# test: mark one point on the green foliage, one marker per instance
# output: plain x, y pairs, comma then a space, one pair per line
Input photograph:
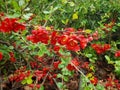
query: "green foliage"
27, 80
62, 13
42, 88
117, 67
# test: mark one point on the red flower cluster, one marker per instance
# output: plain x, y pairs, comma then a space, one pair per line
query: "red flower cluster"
69, 30
19, 75
56, 63
75, 62
72, 44
112, 83
12, 57
54, 38
56, 48
34, 85
95, 35
70, 40
70, 67
1, 56
83, 41
39, 35
94, 81
117, 53
62, 40
10, 24
34, 64
100, 48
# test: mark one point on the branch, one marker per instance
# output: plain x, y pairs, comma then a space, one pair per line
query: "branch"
82, 74
5, 43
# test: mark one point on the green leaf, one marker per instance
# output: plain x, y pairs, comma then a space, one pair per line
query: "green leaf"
11, 47
46, 12
15, 15
108, 59
88, 55
60, 85
59, 75
71, 4
117, 67
88, 31
64, 1
24, 81
21, 2
87, 88
65, 78
75, 16
100, 87
43, 50
27, 16
61, 66
65, 21
15, 5
29, 81
42, 87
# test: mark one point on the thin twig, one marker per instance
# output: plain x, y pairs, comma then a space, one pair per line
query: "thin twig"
55, 82
82, 74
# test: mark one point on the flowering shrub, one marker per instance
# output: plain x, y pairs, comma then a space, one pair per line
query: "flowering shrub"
35, 54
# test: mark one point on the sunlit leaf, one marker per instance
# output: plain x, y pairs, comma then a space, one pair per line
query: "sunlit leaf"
29, 81
75, 16
88, 31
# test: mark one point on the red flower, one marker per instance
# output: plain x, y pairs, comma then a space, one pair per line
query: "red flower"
70, 67
56, 48
106, 47
40, 35
54, 38
72, 45
34, 85
68, 31
63, 39
10, 24
109, 83
1, 55
85, 65
55, 64
38, 74
83, 43
75, 62
117, 53
33, 64
118, 86
45, 70
12, 58
90, 38
100, 48
54, 75
95, 35
94, 80
17, 26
